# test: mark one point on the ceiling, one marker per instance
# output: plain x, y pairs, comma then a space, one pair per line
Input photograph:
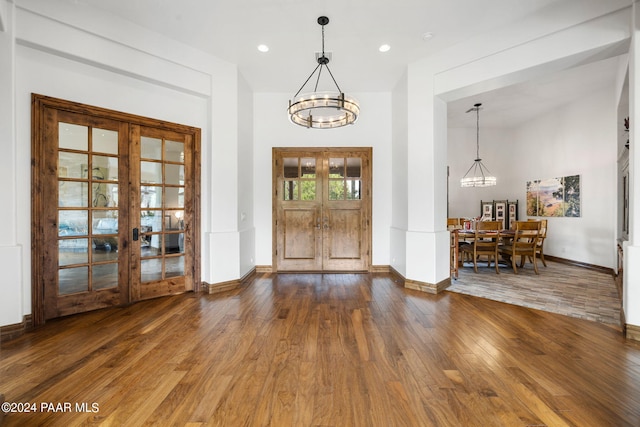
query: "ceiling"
232, 29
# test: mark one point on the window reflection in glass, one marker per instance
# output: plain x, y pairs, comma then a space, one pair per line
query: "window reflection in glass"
336, 167
150, 196
290, 190
149, 246
173, 220
174, 266
174, 151
73, 194
353, 190
104, 249
151, 269
73, 280
105, 222
72, 165
290, 167
151, 172
174, 197
104, 276
105, 168
73, 251
150, 148
104, 195
336, 190
172, 243
354, 167
73, 222
152, 220
73, 137
308, 190
104, 141
308, 167
174, 174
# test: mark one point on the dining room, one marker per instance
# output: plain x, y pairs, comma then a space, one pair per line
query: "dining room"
547, 161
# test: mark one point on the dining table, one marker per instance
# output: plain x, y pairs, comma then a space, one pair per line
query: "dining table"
462, 234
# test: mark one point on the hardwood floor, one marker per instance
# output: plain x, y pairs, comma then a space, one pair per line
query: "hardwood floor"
330, 350
559, 288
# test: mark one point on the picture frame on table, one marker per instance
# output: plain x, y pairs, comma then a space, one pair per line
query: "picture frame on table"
512, 215
500, 209
486, 211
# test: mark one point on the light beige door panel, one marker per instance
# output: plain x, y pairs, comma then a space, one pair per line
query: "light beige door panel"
299, 240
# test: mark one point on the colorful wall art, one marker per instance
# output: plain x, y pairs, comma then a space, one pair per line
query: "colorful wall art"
554, 197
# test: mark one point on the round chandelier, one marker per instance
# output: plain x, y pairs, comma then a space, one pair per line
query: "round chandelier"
322, 109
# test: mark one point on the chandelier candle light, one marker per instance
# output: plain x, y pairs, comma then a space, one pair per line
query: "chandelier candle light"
481, 177
322, 109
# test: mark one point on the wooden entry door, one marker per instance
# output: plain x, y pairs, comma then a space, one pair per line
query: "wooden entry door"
114, 208
322, 209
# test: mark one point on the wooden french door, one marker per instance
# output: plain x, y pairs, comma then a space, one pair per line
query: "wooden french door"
114, 208
322, 209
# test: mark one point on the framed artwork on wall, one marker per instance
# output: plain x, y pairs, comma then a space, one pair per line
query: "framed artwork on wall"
486, 211
500, 209
558, 196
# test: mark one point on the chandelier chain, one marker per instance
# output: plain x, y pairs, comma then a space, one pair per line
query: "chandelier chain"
307, 81
478, 133
325, 109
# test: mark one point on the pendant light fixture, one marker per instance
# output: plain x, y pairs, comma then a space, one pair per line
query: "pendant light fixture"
478, 175
322, 109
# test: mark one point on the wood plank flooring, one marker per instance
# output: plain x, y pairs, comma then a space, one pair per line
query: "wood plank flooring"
323, 350
559, 288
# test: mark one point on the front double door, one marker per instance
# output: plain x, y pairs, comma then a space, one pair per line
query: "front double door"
114, 209
322, 209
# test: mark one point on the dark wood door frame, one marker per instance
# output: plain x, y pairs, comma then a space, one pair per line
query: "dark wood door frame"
39, 174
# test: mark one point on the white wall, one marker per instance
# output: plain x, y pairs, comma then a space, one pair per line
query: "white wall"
245, 178
400, 177
57, 50
497, 150
273, 129
577, 139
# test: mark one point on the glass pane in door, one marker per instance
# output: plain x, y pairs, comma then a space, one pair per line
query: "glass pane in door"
87, 209
104, 141
150, 148
162, 215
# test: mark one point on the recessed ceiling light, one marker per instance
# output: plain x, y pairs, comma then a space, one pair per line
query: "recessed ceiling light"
384, 48
427, 36
263, 48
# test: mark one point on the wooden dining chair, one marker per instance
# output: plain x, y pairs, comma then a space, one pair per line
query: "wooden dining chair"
454, 223
484, 244
541, 237
524, 244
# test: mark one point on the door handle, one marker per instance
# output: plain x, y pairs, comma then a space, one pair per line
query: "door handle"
136, 234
